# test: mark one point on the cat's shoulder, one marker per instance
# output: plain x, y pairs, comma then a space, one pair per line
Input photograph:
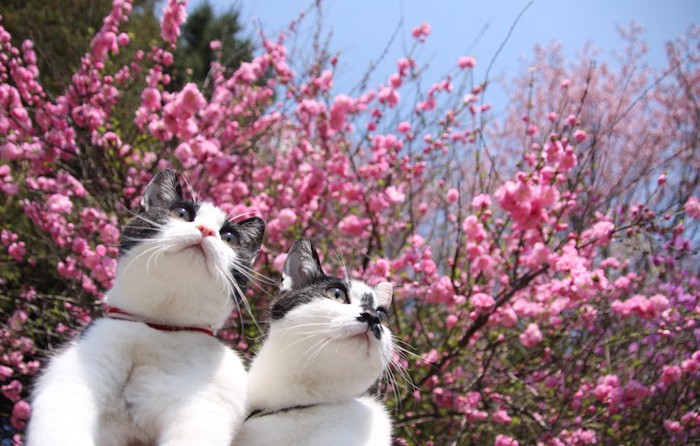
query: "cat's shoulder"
353, 422
138, 340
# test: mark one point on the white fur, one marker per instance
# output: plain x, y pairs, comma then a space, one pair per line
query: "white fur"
125, 383
178, 278
320, 354
353, 422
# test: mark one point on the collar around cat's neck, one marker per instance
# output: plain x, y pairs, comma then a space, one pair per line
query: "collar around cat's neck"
264, 412
118, 313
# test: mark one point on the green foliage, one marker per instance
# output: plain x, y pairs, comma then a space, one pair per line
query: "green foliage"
62, 31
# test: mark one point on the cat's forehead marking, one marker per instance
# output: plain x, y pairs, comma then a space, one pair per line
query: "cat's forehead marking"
211, 213
359, 289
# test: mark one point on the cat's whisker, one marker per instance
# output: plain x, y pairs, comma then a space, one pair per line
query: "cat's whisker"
255, 275
239, 296
303, 339
388, 380
315, 350
146, 252
341, 260
236, 217
188, 184
156, 255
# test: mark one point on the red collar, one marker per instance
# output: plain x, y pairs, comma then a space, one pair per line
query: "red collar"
118, 313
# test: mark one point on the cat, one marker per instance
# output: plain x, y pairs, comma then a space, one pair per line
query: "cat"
152, 372
328, 342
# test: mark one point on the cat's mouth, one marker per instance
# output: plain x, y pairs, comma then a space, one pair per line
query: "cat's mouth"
363, 338
195, 249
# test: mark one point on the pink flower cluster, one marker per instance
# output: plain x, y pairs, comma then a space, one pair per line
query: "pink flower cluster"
518, 250
641, 306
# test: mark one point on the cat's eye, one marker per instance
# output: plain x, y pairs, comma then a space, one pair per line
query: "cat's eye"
337, 294
182, 213
229, 238
383, 315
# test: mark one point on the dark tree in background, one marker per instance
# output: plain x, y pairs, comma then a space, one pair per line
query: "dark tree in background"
194, 55
62, 30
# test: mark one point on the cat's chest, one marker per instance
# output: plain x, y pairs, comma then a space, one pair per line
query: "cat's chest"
145, 377
151, 365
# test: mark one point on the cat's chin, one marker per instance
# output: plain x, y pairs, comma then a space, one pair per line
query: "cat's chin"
363, 343
195, 251
198, 253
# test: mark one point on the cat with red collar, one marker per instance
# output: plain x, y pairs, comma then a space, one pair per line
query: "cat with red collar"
152, 372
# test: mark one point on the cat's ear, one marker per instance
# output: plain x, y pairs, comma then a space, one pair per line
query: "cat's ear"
302, 265
163, 190
251, 233
384, 292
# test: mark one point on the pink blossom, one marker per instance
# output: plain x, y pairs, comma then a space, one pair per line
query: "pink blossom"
481, 201
539, 255
452, 195
641, 306
473, 229
12, 391
692, 207
659, 303
174, 15
5, 372
287, 217
501, 416
123, 39
690, 365
17, 251
394, 195
508, 316
421, 31
10, 151
310, 107
670, 374
531, 336
673, 426
60, 203
404, 64
278, 262
389, 96
451, 321
190, 100
466, 62
395, 80
382, 267
324, 81
150, 98
599, 233
608, 389
342, 105
504, 440
353, 225
482, 302
404, 127
20, 414
441, 291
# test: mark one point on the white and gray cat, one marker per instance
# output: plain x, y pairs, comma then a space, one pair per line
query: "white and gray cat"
328, 343
152, 372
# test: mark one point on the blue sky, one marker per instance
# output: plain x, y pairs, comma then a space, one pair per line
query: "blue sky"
361, 29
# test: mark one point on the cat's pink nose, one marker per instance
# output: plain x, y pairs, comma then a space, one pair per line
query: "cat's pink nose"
206, 230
